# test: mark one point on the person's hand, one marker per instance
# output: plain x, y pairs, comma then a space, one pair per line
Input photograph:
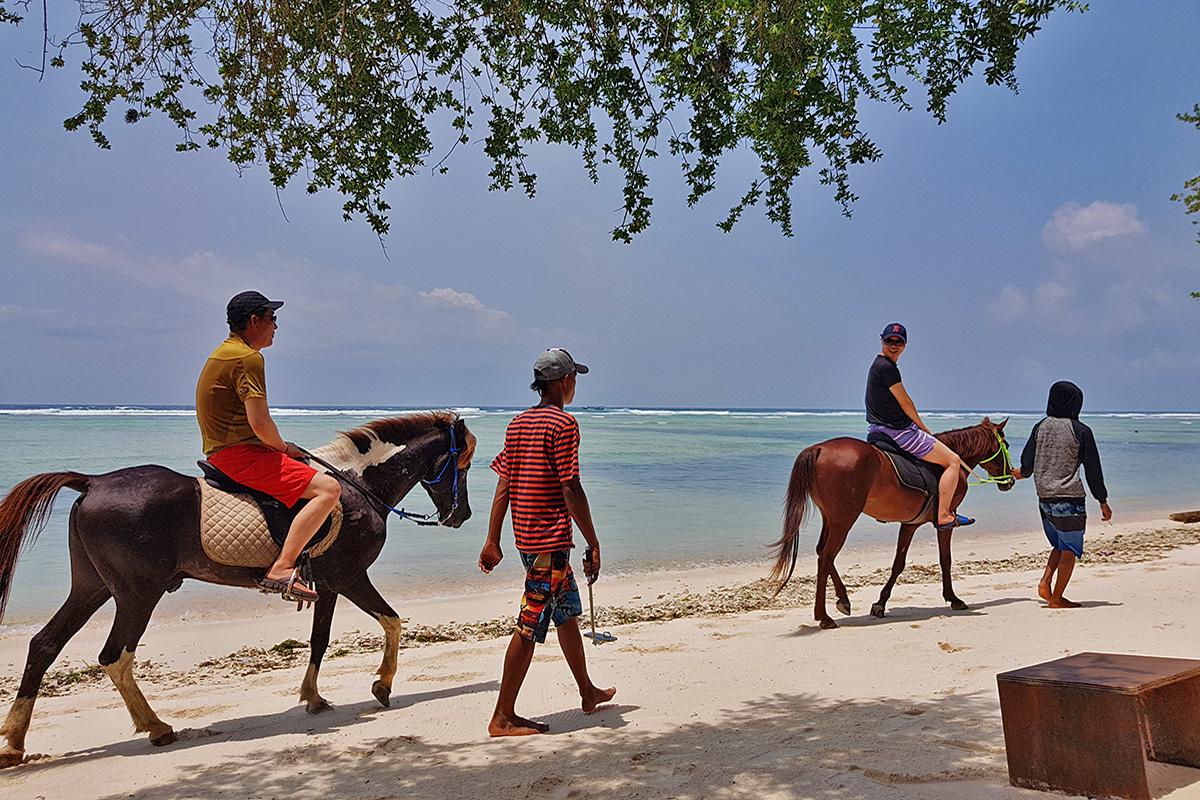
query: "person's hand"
293, 451
1105, 512
591, 564
1016, 473
490, 557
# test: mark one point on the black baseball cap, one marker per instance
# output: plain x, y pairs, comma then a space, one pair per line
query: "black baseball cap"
895, 331
247, 304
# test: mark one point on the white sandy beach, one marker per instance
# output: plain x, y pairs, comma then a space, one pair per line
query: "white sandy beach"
756, 704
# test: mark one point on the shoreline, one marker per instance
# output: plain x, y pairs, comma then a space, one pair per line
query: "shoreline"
201, 601
622, 600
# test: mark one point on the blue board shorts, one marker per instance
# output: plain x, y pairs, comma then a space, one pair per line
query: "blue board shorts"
1064, 522
550, 594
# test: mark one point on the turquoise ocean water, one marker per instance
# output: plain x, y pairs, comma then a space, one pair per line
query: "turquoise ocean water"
669, 488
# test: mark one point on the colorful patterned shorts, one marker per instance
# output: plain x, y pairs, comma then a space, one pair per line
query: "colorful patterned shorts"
550, 594
1064, 522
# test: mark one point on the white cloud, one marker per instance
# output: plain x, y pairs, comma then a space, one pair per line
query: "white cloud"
1073, 226
325, 308
1010, 304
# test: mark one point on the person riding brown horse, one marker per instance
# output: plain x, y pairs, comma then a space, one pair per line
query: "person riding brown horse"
891, 411
846, 477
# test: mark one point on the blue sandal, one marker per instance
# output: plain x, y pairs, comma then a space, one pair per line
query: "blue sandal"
959, 521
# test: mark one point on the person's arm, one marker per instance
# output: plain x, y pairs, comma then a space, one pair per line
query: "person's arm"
1089, 456
577, 504
1028, 454
491, 554
259, 417
907, 405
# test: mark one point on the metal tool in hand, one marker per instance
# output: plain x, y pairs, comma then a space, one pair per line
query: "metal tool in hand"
605, 636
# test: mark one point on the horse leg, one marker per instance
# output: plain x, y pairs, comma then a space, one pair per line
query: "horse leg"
906, 534
833, 536
133, 614
839, 588
86, 596
318, 644
364, 595
944, 558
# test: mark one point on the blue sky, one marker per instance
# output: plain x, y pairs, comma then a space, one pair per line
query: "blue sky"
1028, 239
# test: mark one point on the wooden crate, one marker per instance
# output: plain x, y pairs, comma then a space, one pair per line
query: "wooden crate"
1087, 724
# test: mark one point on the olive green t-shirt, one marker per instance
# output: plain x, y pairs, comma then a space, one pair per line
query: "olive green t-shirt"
232, 373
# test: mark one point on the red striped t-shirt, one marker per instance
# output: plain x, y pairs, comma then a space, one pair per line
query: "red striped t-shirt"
541, 453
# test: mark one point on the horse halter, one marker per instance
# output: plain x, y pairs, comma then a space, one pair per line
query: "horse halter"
1007, 474
452, 465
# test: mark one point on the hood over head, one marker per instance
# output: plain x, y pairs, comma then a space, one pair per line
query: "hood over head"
1066, 400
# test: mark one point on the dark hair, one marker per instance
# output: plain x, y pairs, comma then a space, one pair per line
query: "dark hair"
241, 325
540, 386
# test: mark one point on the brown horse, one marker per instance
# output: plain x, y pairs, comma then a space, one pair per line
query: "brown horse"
847, 477
134, 534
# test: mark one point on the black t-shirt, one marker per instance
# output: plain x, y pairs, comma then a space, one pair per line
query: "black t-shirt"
882, 406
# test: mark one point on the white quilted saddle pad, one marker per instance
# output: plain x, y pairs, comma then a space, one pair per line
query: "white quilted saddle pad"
233, 531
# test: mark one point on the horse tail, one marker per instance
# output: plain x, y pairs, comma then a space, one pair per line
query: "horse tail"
795, 509
23, 513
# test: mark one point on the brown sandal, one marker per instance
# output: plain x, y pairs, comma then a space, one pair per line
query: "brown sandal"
292, 589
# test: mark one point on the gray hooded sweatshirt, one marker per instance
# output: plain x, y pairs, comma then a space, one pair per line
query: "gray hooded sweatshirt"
1059, 445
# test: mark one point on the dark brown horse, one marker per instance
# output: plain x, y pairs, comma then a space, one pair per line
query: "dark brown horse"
847, 477
134, 534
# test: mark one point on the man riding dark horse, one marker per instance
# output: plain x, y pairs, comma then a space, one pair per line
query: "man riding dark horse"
242, 440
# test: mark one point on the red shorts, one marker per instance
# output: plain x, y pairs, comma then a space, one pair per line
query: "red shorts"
266, 470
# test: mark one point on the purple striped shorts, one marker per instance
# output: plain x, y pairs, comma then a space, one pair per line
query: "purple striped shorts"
911, 439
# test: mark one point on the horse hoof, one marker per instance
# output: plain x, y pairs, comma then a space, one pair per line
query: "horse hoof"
843, 606
10, 757
828, 624
318, 707
164, 739
383, 693
958, 605
877, 610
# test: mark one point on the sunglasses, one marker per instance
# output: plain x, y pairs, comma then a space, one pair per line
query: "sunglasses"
894, 342
268, 317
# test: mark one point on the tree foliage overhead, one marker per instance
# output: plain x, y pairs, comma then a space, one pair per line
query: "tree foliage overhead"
1191, 196
352, 94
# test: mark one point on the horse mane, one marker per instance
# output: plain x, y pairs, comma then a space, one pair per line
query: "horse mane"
378, 440
970, 440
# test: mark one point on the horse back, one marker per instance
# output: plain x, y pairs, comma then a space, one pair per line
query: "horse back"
149, 505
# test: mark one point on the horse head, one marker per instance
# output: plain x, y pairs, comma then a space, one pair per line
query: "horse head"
392, 455
446, 481
999, 464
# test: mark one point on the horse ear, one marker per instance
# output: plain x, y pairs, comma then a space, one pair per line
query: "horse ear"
1003, 423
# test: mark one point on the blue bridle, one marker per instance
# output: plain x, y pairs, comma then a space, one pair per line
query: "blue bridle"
420, 519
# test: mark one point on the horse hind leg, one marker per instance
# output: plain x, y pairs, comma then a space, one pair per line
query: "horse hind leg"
367, 597
117, 660
833, 536
86, 596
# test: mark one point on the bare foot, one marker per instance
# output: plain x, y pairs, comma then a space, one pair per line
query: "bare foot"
597, 696
501, 725
1044, 591
1062, 602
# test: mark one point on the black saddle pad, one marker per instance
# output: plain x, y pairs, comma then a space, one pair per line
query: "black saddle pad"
278, 516
911, 471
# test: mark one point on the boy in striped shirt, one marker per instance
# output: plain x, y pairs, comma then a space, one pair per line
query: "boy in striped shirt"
539, 479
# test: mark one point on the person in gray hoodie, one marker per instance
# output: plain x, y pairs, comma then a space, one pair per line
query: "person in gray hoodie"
1057, 447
